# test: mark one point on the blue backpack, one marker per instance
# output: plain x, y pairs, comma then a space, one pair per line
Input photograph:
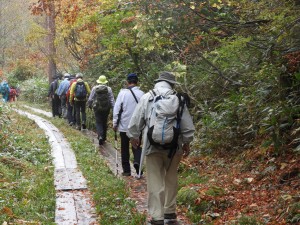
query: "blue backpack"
80, 91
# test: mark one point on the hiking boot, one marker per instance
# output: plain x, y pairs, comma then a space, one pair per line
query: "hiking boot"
157, 222
101, 142
126, 174
83, 126
170, 218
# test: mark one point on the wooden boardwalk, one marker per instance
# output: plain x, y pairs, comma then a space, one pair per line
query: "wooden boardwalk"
73, 199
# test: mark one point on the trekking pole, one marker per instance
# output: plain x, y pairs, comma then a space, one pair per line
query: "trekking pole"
116, 147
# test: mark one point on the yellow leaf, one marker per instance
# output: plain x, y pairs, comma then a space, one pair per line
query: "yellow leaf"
283, 165
286, 197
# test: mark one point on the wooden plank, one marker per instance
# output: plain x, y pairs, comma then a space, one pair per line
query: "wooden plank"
65, 213
69, 179
86, 213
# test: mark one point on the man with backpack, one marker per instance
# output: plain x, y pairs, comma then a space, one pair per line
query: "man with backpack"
126, 102
56, 105
61, 92
79, 91
101, 101
168, 129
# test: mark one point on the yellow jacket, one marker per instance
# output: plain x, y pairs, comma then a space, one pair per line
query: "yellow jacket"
72, 91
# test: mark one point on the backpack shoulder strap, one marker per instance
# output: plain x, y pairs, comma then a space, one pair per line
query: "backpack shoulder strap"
133, 95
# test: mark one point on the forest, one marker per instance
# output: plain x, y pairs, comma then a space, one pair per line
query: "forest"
239, 62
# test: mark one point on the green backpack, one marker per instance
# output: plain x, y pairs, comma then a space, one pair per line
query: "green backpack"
101, 101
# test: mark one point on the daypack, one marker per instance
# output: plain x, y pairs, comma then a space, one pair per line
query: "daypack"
80, 91
164, 121
101, 101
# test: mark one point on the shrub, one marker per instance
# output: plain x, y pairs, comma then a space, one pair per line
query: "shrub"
35, 89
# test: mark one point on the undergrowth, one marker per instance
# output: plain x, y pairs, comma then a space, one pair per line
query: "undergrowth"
26, 187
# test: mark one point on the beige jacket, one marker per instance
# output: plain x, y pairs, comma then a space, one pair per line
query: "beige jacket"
142, 112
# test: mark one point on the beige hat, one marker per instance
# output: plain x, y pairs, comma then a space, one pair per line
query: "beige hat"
102, 80
166, 76
79, 75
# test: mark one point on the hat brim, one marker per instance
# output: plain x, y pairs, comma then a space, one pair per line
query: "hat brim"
169, 81
101, 82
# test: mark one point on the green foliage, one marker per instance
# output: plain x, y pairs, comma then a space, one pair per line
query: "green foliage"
23, 70
245, 220
215, 191
294, 213
34, 90
187, 196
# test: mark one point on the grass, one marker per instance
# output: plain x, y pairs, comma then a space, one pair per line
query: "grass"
26, 188
110, 194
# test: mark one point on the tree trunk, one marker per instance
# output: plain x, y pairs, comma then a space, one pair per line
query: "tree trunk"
50, 21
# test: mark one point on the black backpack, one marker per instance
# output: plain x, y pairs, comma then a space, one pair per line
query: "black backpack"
101, 101
80, 91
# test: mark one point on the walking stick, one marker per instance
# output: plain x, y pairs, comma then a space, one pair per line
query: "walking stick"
116, 147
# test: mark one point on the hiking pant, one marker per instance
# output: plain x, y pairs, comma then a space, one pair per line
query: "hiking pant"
56, 107
125, 155
80, 107
5, 97
162, 184
101, 124
71, 113
63, 99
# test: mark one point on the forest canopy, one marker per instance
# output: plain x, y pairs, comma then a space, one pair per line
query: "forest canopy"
239, 61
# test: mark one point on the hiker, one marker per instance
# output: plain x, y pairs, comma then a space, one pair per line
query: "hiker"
162, 163
12, 94
61, 92
101, 101
5, 91
125, 104
54, 98
71, 114
80, 91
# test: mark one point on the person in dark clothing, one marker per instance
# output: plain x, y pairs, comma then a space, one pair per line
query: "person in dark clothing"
56, 104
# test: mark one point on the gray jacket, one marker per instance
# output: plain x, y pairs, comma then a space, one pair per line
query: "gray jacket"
142, 112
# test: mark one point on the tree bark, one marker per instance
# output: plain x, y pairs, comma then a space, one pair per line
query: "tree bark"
50, 22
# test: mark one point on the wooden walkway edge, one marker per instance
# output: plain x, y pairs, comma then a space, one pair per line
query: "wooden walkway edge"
73, 201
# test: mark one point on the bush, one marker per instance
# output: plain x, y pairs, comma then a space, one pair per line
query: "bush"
35, 90
187, 196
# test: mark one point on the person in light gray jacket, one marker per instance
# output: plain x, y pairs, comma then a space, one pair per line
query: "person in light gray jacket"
161, 170
126, 101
